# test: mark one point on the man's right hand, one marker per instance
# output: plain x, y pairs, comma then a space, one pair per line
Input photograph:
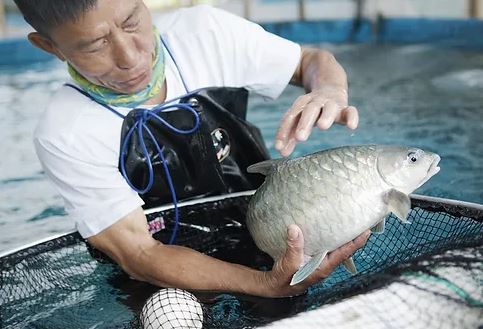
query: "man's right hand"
277, 281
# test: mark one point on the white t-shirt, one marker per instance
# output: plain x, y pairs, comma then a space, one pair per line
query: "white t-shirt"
78, 141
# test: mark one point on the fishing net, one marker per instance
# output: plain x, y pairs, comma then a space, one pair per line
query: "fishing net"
428, 274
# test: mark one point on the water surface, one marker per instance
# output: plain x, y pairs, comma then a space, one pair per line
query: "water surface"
411, 95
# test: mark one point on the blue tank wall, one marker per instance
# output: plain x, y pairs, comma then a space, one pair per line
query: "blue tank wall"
459, 33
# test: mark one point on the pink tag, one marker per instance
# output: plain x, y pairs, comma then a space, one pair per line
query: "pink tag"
156, 225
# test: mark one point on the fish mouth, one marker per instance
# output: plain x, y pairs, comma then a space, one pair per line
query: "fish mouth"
432, 170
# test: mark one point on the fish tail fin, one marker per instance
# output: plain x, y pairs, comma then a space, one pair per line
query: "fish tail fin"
308, 268
350, 266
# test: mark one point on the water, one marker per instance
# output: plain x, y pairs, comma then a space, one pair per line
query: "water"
412, 95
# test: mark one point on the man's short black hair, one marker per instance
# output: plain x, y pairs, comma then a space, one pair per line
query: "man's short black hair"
44, 15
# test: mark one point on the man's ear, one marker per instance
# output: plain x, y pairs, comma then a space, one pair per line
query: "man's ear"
46, 44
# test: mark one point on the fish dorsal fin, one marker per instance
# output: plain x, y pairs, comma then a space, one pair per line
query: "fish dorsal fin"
399, 204
264, 167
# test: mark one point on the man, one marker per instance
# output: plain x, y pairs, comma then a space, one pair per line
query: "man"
117, 60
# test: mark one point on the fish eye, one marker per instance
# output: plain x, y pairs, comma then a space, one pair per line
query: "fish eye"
413, 157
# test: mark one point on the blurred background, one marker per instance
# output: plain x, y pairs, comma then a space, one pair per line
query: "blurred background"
290, 10
415, 71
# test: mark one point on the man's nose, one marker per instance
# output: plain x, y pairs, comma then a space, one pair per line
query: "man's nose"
125, 53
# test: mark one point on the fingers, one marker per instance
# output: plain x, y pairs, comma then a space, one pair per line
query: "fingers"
307, 120
297, 124
294, 255
278, 279
328, 116
285, 129
289, 147
334, 258
289, 122
307, 112
345, 251
349, 117
361, 240
286, 145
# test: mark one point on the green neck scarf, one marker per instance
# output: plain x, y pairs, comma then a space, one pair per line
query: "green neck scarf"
110, 97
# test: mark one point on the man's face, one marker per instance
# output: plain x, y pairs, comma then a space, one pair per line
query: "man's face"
111, 45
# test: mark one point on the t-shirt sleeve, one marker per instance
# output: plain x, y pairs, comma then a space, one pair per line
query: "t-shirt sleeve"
77, 154
96, 196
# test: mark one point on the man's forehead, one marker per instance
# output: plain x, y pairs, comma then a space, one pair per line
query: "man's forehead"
117, 10
95, 22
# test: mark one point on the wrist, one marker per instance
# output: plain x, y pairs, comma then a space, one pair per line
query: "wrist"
328, 74
258, 284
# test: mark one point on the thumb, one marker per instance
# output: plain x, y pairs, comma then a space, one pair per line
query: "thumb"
294, 255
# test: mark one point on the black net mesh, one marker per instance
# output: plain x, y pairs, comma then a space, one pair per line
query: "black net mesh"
427, 274
440, 291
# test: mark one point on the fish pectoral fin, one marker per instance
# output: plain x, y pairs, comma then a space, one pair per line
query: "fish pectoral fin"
399, 204
349, 265
308, 268
264, 167
379, 227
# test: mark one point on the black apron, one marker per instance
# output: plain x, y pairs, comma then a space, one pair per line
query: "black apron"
210, 161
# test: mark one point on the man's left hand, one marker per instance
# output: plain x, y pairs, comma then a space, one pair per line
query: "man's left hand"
321, 107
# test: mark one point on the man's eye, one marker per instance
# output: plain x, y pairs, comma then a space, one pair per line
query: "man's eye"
131, 26
97, 47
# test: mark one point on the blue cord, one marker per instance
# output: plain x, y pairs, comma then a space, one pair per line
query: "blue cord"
140, 126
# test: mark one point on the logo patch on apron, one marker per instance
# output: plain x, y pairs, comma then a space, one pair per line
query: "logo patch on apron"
156, 225
221, 142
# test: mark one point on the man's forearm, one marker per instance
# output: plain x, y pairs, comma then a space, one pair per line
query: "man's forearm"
130, 245
175, 266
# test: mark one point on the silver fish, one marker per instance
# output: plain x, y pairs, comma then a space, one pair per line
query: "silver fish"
333, 196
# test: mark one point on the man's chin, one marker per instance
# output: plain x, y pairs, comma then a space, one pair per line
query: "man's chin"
130, 90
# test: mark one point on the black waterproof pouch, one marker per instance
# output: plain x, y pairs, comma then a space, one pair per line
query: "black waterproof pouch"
210, 161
